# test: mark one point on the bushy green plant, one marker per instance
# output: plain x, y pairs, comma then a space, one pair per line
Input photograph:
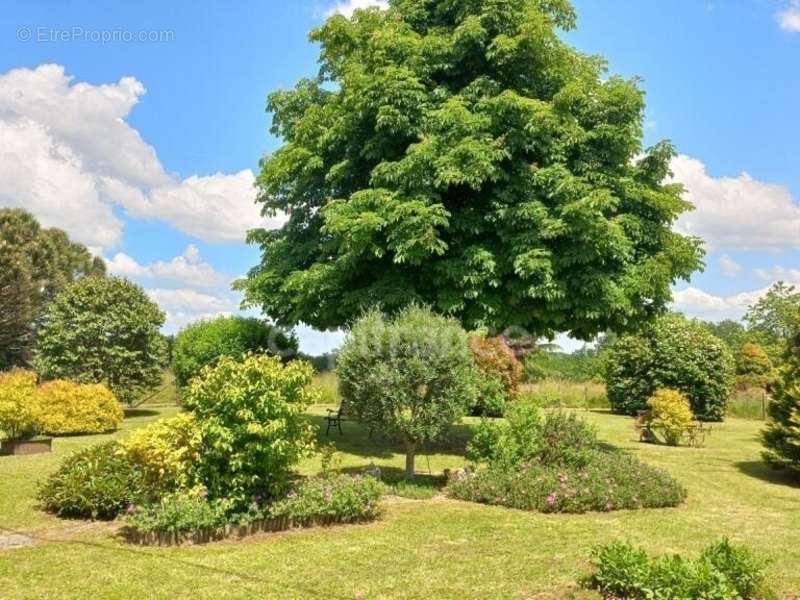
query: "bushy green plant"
670, 414
345, 498
249, 413
19, 409
67, 408
97, 482
410, 376
753, 366
166, 452
557, 439
499, 375
178, 512
782, 435
723, 571
102, 330
672, 353
203, 342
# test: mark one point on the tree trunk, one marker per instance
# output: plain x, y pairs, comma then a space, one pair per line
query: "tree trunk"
410, 450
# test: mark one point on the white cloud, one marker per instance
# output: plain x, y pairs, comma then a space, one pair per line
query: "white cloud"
187, 269
779, 273
185, 305
346, 7
730, 268
69, 156
736, 212
704, 305
789, 19
46, 177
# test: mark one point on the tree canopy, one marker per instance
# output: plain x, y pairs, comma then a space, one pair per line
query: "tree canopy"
35, 263
773, 319
461, 155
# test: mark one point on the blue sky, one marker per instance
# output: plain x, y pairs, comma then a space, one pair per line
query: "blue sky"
145, 149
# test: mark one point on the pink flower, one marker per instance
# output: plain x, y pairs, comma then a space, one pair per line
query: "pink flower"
551, 499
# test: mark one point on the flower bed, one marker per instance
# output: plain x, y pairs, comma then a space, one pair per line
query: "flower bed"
192, 518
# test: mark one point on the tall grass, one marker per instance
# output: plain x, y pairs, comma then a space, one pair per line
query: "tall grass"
748, 403
563, 393
326, 384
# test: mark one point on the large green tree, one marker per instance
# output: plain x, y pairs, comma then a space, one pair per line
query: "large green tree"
458, 153
102, 330
772, 320
35, 263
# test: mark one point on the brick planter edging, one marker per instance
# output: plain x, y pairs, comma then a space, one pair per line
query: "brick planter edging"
216, 534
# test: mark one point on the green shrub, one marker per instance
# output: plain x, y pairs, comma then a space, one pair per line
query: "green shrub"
102, 330
753, 366
19, 409
249, 413
67, 408
177, 513
721, 572
166, 453
557, 439
671, 414
499, 375
782, 435
555, 464
202, 343
97, 482
344, 498
411, 376
672, 353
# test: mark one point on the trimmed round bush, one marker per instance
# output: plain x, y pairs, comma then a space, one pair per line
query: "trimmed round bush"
19, 416
410, 376
166, 452
249, 413
672, 353
97, 482
671, 414
202, 343
67, 408
499, 375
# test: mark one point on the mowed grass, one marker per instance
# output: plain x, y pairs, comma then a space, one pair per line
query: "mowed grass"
424, 546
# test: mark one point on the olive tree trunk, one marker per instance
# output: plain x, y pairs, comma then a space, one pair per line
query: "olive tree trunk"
411, 449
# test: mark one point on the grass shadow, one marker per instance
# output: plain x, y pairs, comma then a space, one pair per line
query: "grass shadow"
764, 472
131, 413
356, 439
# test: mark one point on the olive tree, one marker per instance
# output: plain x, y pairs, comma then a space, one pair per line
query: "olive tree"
411, 376
102, 330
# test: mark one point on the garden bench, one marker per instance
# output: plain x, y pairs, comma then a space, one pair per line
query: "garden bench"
334, 418
696, 434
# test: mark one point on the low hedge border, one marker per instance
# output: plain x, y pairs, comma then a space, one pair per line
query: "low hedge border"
231, 531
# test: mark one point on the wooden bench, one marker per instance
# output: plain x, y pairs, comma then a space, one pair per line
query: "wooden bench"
334, 418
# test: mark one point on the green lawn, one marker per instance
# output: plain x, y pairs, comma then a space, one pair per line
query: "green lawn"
427, 547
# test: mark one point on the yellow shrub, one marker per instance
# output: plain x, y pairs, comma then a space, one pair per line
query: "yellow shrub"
18, 407
165, 452
68, 408
671, 413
